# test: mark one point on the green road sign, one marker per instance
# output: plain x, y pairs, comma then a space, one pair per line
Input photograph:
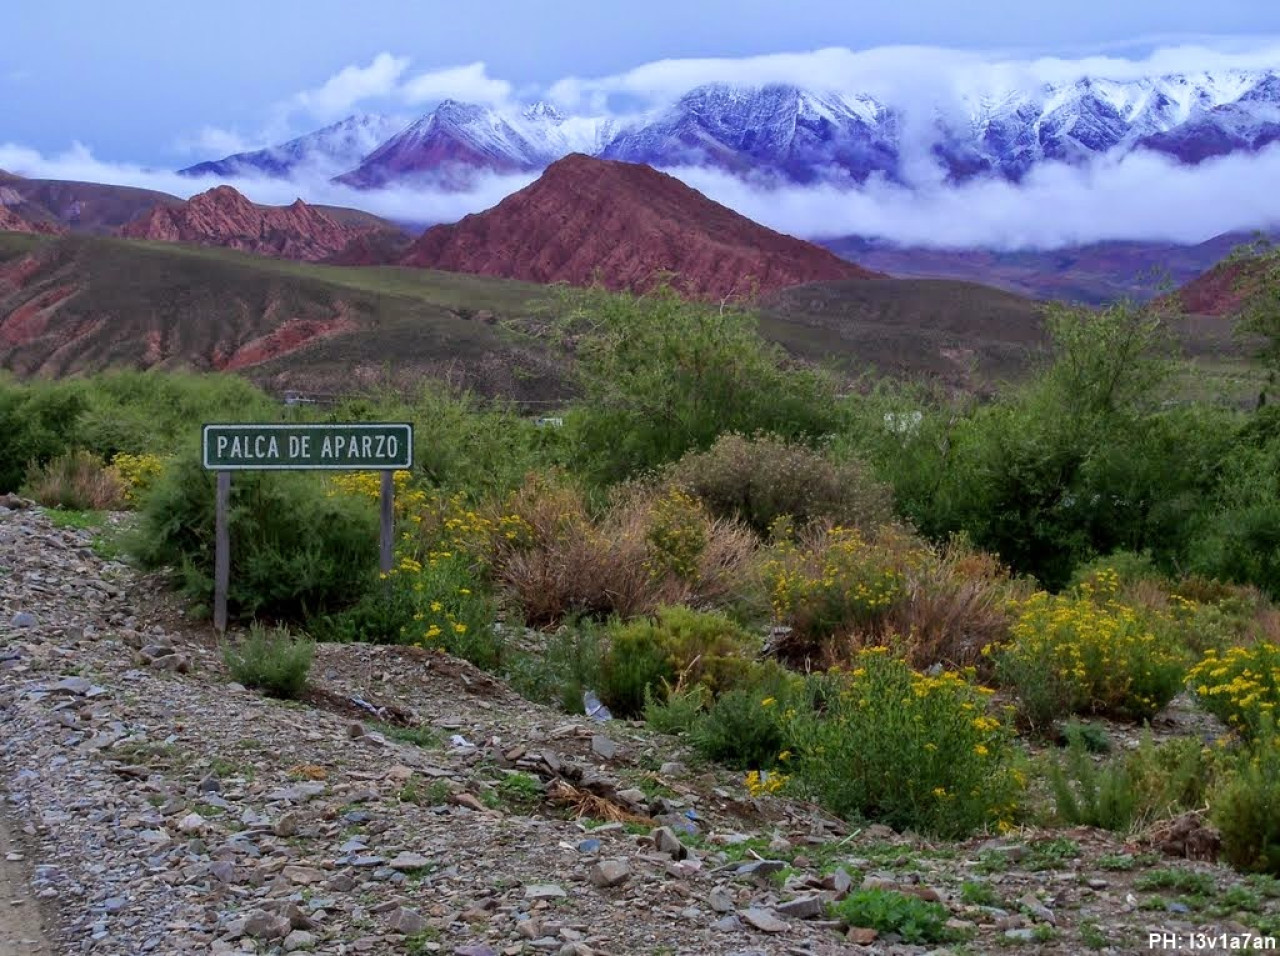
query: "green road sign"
360, 446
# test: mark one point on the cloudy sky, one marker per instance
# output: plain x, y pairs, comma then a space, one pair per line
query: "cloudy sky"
123, 90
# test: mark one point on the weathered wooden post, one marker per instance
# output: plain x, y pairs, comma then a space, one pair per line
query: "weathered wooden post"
386, 502
221, 552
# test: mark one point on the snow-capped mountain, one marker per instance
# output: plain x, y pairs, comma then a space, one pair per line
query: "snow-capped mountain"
458, 137
333, 149
783, 133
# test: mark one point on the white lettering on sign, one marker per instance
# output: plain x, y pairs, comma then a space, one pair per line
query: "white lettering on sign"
222, 445
260, 447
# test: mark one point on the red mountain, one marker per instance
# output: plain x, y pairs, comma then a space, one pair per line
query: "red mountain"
1223, 289
223, 217
623, 223
10, 221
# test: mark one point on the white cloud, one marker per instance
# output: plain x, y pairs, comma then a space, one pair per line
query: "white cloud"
892, 73
1142, 196
470, 83
212, 140
339, 94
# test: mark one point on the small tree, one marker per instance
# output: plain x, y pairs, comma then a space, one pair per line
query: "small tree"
1258, 281
662, 375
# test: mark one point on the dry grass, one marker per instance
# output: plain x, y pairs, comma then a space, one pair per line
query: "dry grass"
570, 562
584, 804
77, 481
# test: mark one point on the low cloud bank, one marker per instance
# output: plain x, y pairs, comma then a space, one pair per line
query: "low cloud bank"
1141, 196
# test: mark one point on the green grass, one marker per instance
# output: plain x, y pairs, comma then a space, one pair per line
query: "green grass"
424, 737
80, 520
1182, 881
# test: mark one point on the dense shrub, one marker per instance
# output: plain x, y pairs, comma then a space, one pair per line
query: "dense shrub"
76, 480
271, 659
676, 645
661, 375
139, 473
746, 727
1151, 783
37, 423
1072, 654
895, 746
295, 550
558, 668
1240, 685
1244, 806
645, 551
758, 480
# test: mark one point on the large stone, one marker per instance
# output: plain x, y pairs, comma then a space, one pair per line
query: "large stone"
544, 891
299, 939
602, 746
763, 920
802, 907
408, 862
24, 619
407, 921
608, 873
667, 842
263, 925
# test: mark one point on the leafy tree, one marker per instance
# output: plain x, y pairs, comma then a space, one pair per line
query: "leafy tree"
662, 375
1259, 282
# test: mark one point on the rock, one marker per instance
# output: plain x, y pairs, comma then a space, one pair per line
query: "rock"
24, 619
761, 868
406, 921
727, 924
287, 825
355, 730
602, 746
721, 900
544, 891
72, 686
589, 845
633, 797
763, 920
299, 939
263, 925
862, 935
191, 823
1037, 909
608, 873
667, 842
474, 949
839, 881
408, 862
1023, 935
209, 784
305, 875
802, 907
672, 768
173, 663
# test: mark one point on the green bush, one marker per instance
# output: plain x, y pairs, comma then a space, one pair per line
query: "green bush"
1240, 686
561, 669
677, 645
918, 752
1245, 806
272, 660
677, 710
1130, 791
296, 551
758, 480
889, 911
661, 375
747, 728
37, 423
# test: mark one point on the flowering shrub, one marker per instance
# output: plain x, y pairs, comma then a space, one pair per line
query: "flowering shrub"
1243, 804
138, 472
1239, 685
677, 536
835, 581
895, 746
368, 484
1086, 654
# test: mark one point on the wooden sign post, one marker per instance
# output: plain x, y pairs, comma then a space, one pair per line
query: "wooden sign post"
357, 446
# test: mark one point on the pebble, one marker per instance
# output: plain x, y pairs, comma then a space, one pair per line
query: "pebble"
763, 920
608, 873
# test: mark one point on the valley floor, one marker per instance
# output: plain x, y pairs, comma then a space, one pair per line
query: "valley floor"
162, 809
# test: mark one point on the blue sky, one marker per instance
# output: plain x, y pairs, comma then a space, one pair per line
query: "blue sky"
166, 83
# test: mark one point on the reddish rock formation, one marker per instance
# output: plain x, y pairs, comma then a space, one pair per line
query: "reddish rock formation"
10, 221
223, 217
1221, 290
623, 223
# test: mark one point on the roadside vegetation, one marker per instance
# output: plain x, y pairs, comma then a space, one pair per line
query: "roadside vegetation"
873, 600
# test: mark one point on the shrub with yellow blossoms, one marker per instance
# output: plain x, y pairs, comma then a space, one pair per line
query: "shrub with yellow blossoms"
912, 750
1086, 653
836, 580
138, 473
1240, 685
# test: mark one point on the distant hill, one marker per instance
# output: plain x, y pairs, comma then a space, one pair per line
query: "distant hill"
1094, 273
223, 217
1222, 290
93, 208
79, 304
11, 221
619, 223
